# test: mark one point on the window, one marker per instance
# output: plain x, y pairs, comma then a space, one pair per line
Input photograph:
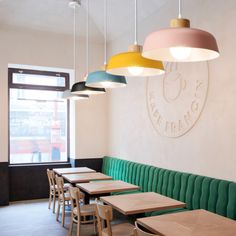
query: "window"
38, 117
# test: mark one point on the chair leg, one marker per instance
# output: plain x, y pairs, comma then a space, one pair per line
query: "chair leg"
78, 227
63, 214
71, 225
95, 224
58, 209
54, 201
50, 199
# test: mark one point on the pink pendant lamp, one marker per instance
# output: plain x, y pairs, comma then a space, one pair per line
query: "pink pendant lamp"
180, 43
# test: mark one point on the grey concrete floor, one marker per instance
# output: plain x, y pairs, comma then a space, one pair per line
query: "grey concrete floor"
33, 218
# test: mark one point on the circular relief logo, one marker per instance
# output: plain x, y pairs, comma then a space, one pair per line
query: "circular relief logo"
176, 99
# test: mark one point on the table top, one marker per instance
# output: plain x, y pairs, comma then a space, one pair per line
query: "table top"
194, 223
75, 170
106, 187
137, 203
85, 177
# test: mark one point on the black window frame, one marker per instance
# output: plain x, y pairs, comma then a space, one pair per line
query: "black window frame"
11, 85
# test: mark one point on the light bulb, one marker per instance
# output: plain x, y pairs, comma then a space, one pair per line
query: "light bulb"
180, 53
135, 70
106, 84
76, 98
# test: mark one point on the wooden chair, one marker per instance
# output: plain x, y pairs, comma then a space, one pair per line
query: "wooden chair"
139, 232
80, 213
63, 199
53, 190
104, 214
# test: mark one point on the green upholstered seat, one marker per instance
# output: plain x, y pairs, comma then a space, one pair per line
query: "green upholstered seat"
198, 192
126, 192
169, 211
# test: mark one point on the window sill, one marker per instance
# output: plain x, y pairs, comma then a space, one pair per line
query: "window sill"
39, 164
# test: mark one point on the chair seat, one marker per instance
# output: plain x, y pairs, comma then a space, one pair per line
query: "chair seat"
125, 229
82, 195
67, 185
169, 211
67, 196
127, 192
54, 187
86, 210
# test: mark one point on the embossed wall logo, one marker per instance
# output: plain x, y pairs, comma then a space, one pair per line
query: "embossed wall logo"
175, 100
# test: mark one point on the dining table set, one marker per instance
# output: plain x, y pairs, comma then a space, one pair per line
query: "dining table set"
135, 203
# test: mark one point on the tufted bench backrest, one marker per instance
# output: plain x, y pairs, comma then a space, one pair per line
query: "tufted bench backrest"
215, 195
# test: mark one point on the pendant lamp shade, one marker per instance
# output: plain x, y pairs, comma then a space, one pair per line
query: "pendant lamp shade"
101, 79
81, 88
180, 43
68, 95
132, 63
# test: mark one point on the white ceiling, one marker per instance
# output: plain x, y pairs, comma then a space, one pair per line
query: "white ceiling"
56, 16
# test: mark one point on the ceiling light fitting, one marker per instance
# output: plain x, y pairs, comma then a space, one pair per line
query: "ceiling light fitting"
74, 3
180, 43
101, 79
80, 87
67, 94
132, 63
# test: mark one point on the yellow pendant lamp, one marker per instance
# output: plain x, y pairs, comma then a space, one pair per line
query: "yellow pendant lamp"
132, 63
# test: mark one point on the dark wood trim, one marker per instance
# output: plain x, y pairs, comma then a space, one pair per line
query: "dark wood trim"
4, 183
30, 181
38, 72
93, 163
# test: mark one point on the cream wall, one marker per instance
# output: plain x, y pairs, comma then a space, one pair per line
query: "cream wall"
207, 149
18, 46
120, 125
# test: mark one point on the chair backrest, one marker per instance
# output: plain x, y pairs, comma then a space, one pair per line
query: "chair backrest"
75, 199
51, 178
60, 186
139, 232
104, 214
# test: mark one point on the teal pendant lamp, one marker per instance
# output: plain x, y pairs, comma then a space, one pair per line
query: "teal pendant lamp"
101, 79
80, 88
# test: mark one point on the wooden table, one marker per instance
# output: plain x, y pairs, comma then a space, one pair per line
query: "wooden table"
194, 223
129, 204
85, 177
76, 170
95, 188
